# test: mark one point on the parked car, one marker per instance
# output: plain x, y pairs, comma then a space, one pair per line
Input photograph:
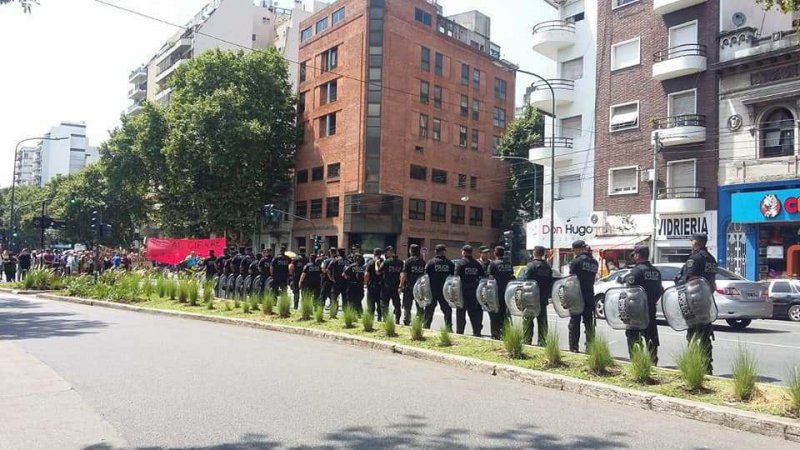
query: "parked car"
785, 297
739, 301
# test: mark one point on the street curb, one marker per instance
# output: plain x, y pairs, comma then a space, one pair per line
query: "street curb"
23, 291
719, 415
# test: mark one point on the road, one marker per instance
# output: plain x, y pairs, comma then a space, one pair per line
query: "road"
141, 381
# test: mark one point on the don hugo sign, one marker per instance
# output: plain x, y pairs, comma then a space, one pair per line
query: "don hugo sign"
564, 234
682, 227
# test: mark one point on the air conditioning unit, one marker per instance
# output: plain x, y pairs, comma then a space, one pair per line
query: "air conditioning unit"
598, 218
646, 175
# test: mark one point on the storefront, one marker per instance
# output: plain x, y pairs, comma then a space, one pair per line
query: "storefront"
674, 233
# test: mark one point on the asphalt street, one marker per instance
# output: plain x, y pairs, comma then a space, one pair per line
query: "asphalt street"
146, 381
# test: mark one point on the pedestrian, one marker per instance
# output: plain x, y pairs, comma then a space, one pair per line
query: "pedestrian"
279, 271
325, 290
585, 268
374, 284
295, 269
503, 272
354, 274
701, 264
470, 271
210, 265
390, 270
311, 278
24, 260
9, 266
336, 276
649, 278
539, 271
413, 268
438, 269
484, 258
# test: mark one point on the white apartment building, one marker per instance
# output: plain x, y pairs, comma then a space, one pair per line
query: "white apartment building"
570, 42
67, 155
28, 166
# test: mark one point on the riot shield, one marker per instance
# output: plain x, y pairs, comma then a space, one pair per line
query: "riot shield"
487, 294
452, 291
423, 294
230, 288
626, 308
523, 299
248, 285
221, 284
567, 297
239, 293
689, 305
258, 285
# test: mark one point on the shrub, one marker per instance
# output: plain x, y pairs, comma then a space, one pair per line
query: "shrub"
416, 329
284, 306
745, 370
236, 303
246, 307
641, 367
161, 286
334, 311
444, 337
268, 304
692, 363
228, 306
183, 291
513, 337
552, 349
388, 323
41, 279
210, 304
147, 287
208, 291
793, 387
172, 289
598, 355
80, 286
368, 321
193, 289
253, 299
349, 316
319, 314
306, 307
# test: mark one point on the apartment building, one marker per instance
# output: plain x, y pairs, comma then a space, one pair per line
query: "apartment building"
570, 42
68, 153
759, 106
28, 166
402, 109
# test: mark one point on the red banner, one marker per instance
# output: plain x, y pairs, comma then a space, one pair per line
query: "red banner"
173, 251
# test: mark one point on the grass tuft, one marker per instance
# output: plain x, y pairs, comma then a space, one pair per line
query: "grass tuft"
161, 286
692, 363
147, 287
319, 314
349, 316
416, 329
194, 292
444, 337
172, 289
513, 337
183, 291
334, 310
793, 388
388, 323
598, 355
306, 307
284, 306
208, 291
641, 367
268, 304
552, 349
228, 306
246, 307
236, 304
745, 371
253, 299
368, 320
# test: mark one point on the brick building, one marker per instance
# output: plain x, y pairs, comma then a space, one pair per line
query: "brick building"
402, 108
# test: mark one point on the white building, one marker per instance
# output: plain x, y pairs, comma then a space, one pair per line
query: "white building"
69, 154
571, 43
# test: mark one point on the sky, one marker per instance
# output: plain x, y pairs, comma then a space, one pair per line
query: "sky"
69, 60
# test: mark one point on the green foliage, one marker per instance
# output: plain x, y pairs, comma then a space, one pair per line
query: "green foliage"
208, 291
147, 287
349, 316
598, 355
416, 329
210, 304
641, 367
228, 306
524, 188
246, 307
388, 323
268, 303
42, 280
319, 314
284, 306
194, 292
306, 307
236, 304
183, 290
444, 337
334, 309
513, 338
172, 288
552, 349
786, 6
161, 286
80, 286
745, 372
692, 363
793, 388
368, 321
253, 299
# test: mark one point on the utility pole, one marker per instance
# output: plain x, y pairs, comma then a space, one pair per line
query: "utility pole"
656, 151
42, 226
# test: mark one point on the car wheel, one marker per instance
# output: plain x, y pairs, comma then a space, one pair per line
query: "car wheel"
794, 313
738, 324
600, 306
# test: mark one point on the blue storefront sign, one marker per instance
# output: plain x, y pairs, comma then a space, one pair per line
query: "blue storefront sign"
766, 206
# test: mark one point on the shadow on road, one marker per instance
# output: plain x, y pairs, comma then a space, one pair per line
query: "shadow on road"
748, 330
27, 324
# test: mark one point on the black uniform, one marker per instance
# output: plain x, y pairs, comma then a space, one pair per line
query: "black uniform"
326, 284
470, 271
298, 263
414, 268
374, 289
390, 270
338, 284
648, 277
701, 264
539, 271
438, 269
503, 272
279, 270
210, 265
313, 279
354, 274
585, 268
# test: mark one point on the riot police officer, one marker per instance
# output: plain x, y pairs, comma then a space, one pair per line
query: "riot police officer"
539, 271
585, 268
311, 278
648, 277
470, 271
279, 271
503, 272
390, 270
484, 258
295, 268
335, 274
354, 274
325, 289
438, 269
373, 281
701, 264
413, 268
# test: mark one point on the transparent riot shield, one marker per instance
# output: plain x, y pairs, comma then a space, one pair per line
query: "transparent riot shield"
523, 298
230, 288
423, 294
221, 284
258, 285
689, 305
567, 296
452, 292
626, 308
487, 294
248, 285
239, 293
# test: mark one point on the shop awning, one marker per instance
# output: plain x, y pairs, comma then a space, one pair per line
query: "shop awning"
616, 242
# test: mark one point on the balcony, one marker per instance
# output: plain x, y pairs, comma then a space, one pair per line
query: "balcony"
681, 200
551, 36
667, 6
541, 98
180, 46
134, 109
163, 96
679, 61
168, 70
541, 153
680, 130
138, 92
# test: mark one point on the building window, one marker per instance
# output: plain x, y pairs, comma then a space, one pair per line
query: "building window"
301, 208
462, 180
416, 209
437, 97
439, 176
619, 3
332, 207
334, 170
423, 125
499, 89
418, 172
473, 182
462, 136
301, 103
457, 214
680, 104
423, 17
475, 216
424, 92
569, 186
624, 117
439, 69
499, 117
328, 92
337, 16
327, 125
465, 74
316, 208
317, 173
322, 25
437, 129
419, 149
438, 212
425, 59
464, 106
302, 176
476, 79
495, 145
476, 109
306, 34
777, 134
330, 59
497, 218
572, 69
625, 54
571, 127
474, 139
681, 179
623, 180
303, 71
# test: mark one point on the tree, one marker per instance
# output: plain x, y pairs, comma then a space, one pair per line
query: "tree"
785, 6
524, 187
26, 4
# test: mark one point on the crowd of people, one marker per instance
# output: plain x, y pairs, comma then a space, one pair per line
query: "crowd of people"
67, 262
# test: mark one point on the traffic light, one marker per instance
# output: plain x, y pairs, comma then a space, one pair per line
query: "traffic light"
15, 233
73, 201
95, 220
317, 243
508, 243
105, 230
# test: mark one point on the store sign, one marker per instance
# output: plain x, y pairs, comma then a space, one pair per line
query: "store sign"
766, 206
682, 227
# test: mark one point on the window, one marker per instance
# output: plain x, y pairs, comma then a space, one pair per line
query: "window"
499, 89
476, 79
624, 117
623, 180
418, 172
464, 106
457, 214
425, 59
317, 173
416, 209
569, 186
438, 212
465, 74
499, 117
681, 179
423, 17
437, 130
474, 139
337, 16
327, 125
497, 218
618, 3
462, 180
302, 176
316, 208
423, 125
419, 149
781, 287
301, 103
301, 208
303, 71
495, 145
681, 38
439, 176
328, 92
332, 207
475, 216
322, 25
777, 134
306, 34
571, 127
476, 109
462, 136
330, 59
572, 69
681, 104
424, 92
437, 97
334, 170
439, 64
625, 54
